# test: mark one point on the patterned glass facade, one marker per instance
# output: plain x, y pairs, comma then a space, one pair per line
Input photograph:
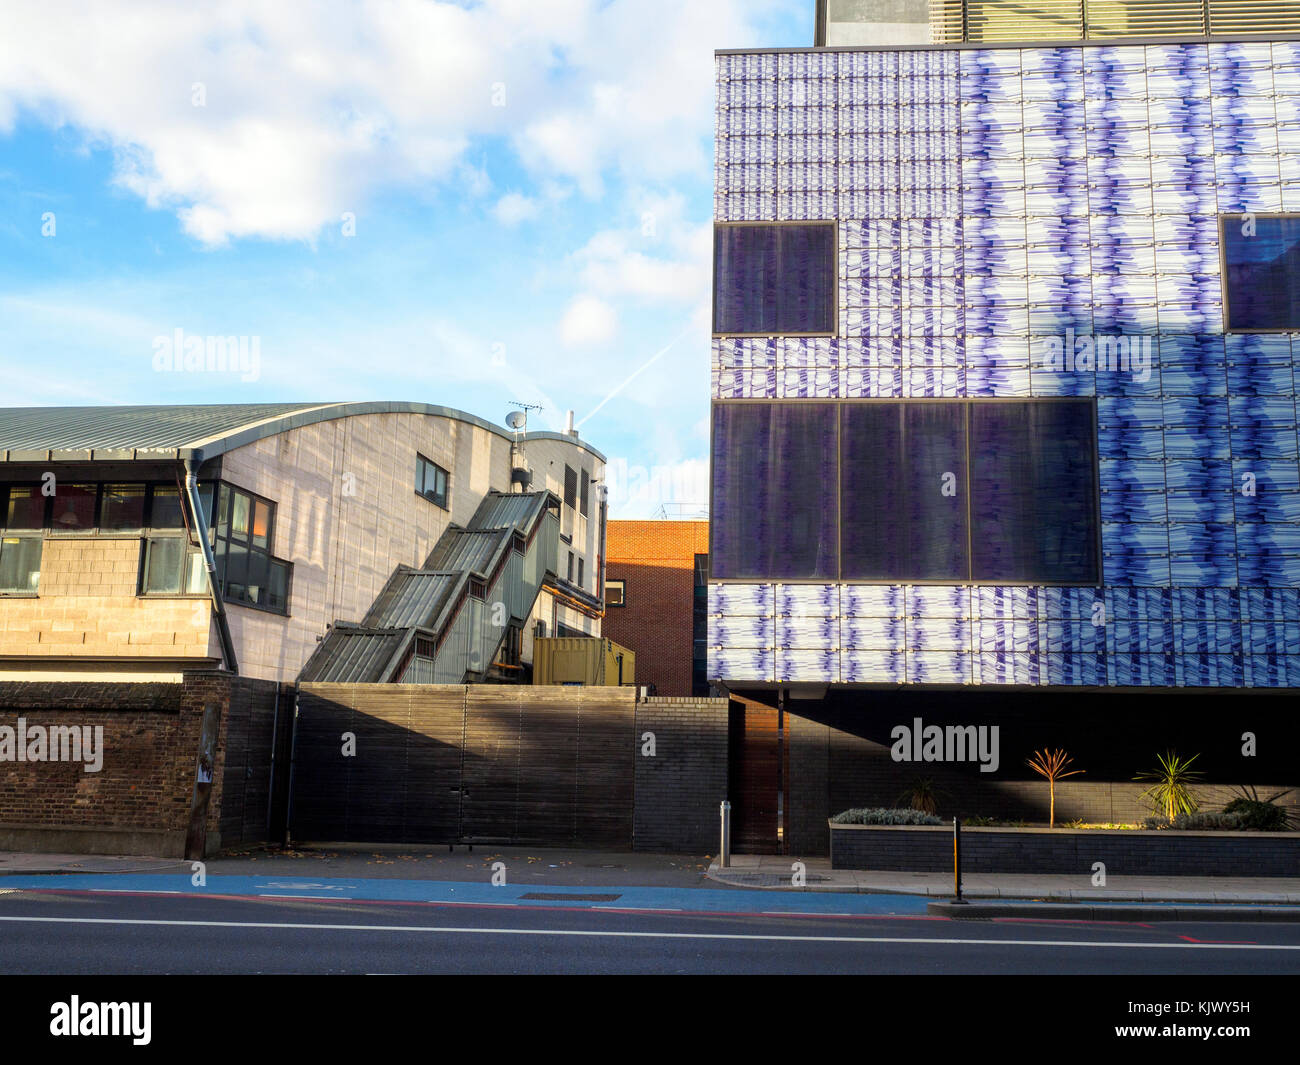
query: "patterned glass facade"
1034, 222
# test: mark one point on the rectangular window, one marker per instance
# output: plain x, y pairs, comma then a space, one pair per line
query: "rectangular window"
431, 481
74, 507
172, 567
940, 491
902, 482
570, 572
581, 570
165, 509
20, 565
584, 493
775, 497
614, 593
570, 486
774, 279
1033, 491
122, 507
25, 507
243, 539
1261, 272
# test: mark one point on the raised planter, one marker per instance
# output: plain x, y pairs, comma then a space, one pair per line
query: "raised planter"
1125, 852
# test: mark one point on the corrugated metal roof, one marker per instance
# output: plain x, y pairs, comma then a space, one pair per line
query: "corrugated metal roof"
200, 431
467, 550
515, 510
410, 598
353, 655
129, 428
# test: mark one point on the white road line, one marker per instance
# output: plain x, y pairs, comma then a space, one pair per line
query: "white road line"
314, 898
911, 941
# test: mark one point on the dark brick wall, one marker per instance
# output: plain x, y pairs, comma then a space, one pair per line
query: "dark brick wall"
680, 789
1061, 851
139, 801
840, 753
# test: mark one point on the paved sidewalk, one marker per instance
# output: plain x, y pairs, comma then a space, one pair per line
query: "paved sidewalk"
19, 863
773, 872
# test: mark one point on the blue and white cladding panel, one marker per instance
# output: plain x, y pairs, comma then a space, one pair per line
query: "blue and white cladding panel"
986, 200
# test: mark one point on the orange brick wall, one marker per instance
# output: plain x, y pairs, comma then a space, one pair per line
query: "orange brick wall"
656, 561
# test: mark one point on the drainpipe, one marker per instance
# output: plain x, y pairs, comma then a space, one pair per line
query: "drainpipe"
201, 528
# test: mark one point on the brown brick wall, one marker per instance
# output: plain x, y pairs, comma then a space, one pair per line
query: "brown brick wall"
656, 560
139, 801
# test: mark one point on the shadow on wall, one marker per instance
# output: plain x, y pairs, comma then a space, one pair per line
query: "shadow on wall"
840, 751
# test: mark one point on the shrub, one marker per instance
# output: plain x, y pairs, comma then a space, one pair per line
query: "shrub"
1172, 794
1260, 815
1207, 822
879, 815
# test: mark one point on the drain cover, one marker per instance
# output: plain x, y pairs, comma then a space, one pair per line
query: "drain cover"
569, 897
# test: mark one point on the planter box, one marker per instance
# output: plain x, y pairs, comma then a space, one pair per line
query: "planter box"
1071, 852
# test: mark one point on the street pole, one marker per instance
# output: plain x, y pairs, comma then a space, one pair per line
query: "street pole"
724, 853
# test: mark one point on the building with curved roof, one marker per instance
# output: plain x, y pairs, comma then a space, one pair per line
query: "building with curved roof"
137, 542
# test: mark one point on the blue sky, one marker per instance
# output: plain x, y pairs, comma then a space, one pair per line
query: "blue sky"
529, 184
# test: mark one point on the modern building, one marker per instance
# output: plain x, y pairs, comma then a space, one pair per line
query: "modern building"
1006, 331
656, 598
383, 541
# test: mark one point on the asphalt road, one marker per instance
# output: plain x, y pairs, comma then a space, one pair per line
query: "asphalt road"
57, 931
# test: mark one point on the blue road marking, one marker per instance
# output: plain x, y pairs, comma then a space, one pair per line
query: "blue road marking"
699, 900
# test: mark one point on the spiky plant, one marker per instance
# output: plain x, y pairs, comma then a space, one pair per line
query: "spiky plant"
921, 795
1171, 793
1051, 764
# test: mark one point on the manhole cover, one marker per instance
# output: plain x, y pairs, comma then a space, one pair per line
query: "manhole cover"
569, 897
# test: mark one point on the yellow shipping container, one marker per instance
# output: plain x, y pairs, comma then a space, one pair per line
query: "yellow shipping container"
588, 660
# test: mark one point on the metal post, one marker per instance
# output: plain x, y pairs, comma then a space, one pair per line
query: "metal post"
956, 860
724, 852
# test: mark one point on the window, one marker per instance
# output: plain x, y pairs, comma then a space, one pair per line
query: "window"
700, 628
172, 566
24, 508
20, 565
903, 486
570, 573
581, 564
570, 486
431, 481
775, 496
943, 491
122, 507
584, 493
614, 593
74, 507
243, 537
1261, 272
770, 279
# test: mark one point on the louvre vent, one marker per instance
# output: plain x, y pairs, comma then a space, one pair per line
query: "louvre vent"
1054, 20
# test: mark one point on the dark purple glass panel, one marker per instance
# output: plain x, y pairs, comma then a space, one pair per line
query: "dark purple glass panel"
903, 491
774, 279
1034, 492
1262, 272
774, 504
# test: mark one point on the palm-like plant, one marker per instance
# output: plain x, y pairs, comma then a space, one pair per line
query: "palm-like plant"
1171, 793
1051, 764
922, 795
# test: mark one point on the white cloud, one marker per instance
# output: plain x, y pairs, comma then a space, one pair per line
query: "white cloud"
515, 207
588, 321
310, 107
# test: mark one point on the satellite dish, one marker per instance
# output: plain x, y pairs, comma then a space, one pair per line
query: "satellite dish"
516, 419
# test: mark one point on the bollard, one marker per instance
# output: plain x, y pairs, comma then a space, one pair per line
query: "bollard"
724, 852
956, 860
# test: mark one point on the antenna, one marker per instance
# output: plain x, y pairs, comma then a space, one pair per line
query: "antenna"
521, 476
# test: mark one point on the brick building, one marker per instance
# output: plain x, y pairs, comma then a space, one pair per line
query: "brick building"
655, 581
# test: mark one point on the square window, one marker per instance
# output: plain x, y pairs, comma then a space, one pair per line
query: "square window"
25, 508
774, 279
74, 507
20, 564
122, 507
1261, 272
615, 591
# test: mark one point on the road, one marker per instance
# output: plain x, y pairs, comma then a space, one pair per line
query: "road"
58, 929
